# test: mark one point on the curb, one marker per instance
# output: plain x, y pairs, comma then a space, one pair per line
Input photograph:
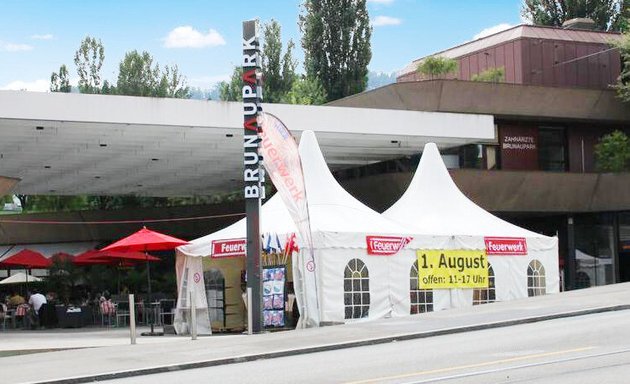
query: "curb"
328, 347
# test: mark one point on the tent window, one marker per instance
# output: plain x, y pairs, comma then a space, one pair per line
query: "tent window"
356, 286
536, 285
215, 294
421, 299
486, 295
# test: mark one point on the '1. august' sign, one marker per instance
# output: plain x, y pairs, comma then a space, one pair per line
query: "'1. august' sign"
452, 268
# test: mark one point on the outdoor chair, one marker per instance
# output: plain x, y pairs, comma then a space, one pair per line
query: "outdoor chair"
6, 316
122, 312
167, 310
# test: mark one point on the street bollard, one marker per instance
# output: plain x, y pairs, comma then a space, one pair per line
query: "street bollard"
132, 318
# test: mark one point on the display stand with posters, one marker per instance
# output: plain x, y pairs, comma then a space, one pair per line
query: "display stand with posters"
274, 295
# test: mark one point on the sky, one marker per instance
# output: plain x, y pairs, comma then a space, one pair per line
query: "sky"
203, 37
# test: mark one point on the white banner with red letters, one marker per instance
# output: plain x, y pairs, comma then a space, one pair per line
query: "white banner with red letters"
282, 162
386, 245
506, 246
228, 248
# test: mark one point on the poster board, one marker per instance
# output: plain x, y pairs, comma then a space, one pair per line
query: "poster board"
274, 296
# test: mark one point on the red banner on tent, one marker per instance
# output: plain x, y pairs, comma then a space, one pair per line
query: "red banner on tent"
386, 245
228, 248
505, 246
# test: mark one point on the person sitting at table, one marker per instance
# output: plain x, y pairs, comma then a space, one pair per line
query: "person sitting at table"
108, 309
15, 300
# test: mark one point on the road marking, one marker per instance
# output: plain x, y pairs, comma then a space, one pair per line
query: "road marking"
467, 366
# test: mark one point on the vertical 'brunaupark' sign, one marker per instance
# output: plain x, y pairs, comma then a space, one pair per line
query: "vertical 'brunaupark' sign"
253, 175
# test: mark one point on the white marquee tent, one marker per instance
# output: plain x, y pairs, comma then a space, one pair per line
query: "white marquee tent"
433, 205
343, 282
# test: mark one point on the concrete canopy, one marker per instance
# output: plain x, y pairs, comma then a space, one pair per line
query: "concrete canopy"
69, 144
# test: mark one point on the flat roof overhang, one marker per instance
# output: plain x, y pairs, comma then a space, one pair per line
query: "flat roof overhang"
71, 144
501, 100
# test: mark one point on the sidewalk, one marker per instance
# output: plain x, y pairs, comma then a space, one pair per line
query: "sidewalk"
170, 353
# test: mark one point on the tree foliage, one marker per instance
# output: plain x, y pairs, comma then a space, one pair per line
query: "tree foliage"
89, 60
336, 40
612, 153
623, 82
232, 90
278, 69
490, 75
60, 82
608, 15
305, 91
138, 76
437, 66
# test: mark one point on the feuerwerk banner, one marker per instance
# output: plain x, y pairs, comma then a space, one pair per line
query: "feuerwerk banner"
282, 163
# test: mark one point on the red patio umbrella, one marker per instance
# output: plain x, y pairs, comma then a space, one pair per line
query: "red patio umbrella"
146, 240
94, 256
26, 259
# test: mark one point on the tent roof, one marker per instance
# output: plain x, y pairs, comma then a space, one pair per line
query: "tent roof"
331, 207
274, 218
433, 204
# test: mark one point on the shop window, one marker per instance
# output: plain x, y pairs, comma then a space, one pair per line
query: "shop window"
624, 246
486, 295
594, 250
421, 299
356, 287
215, 294
552, 149
536, 283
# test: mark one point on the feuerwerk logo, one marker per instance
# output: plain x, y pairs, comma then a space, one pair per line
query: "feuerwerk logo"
506, 246
228, 248
386, 245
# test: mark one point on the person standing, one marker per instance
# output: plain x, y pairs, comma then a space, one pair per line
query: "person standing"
36, 301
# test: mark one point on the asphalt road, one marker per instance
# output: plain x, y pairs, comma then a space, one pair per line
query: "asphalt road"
584, 349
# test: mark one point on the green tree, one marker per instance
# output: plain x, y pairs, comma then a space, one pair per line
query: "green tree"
437, 66
623, 82
60, 82
608, 15
490, 75
336, 40
173, 84
137, 76
63, 276
278, 69
305, 91
89, 60
612, 153
232, 90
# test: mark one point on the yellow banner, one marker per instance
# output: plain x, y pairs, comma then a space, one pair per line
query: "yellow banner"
452, 268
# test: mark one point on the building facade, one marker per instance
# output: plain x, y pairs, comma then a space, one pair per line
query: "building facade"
551, 109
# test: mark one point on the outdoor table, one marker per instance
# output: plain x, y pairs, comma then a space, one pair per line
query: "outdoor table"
69, 317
